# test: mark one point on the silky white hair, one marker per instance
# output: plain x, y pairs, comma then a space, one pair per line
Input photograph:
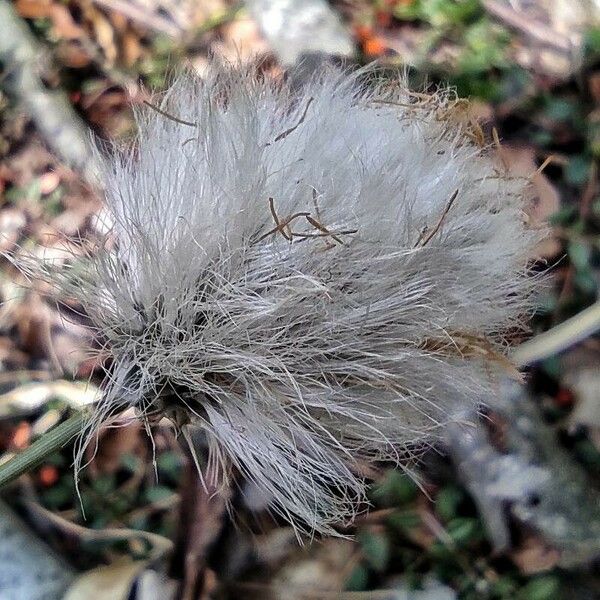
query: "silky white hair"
316, 277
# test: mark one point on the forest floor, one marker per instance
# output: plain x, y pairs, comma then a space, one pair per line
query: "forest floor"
533, 76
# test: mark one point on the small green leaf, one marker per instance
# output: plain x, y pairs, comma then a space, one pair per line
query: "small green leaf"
579, 254
139, 522
404, 520
560, 109
358, 579
588, 453
591, 42
104, 484
504, 587
130, 462
440, 551
447, 502
169, 466
542, 138
376, 549
158, 493
564, 216
552, 367
586, 282
56, 460
577, 170
463, 530
541, 588
57, 496
395, 489
408, 11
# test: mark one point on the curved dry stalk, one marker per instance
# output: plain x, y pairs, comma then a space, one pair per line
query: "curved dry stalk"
559, 338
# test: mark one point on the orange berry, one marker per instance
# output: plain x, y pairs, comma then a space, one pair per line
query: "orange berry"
374, 47
363, 32
48, 475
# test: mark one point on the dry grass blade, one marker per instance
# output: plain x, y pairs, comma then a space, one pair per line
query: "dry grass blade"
559, 338
323, 229
287, 132
169, 116
467, 345
281, 226
426, 237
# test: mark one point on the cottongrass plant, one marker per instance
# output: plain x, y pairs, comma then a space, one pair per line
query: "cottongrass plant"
317, 277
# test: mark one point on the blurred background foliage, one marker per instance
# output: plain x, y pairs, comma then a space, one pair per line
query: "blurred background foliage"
532, 71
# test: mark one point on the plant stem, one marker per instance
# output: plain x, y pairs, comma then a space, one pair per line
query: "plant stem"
46, 445
559, 338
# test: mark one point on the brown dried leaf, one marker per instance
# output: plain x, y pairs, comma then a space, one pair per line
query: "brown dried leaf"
534, 556
34, 9
63, 25
322, 569
11, 358
104, 34
130, 48
114, 442
521, 162
241, 39
203, 508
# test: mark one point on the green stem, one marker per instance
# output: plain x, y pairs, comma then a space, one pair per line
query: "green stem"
46, 445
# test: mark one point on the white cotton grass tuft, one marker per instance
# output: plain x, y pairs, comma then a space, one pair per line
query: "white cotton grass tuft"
315, 277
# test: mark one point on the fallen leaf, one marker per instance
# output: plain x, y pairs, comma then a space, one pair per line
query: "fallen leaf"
28, 398
111, 582
240, 40
122, 437
534, 556
49, 182
322, 569
521, 162
63, 25
104, 34
34, 9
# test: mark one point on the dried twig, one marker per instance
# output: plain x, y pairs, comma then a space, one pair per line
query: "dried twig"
530, 27
58, 124
422, 241
541, 168
142, 16
281, 226
287, 132
323, 229
160, 111
467, 345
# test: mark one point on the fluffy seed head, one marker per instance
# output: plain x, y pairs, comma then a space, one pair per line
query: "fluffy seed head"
315, 277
